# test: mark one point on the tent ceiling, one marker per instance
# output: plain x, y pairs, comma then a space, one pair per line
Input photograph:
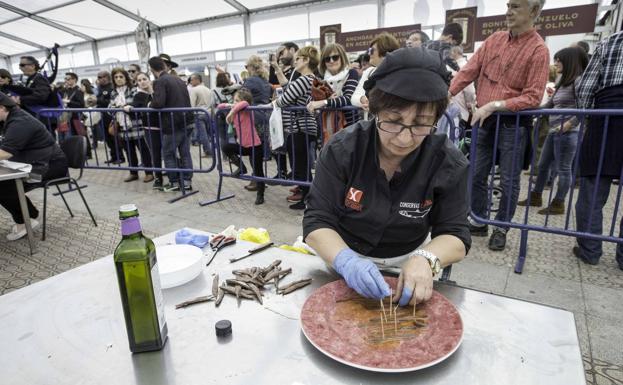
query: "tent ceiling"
40, 21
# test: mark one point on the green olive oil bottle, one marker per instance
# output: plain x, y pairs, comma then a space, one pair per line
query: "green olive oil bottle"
139, 285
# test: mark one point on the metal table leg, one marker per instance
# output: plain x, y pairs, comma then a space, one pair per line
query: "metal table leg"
22, 203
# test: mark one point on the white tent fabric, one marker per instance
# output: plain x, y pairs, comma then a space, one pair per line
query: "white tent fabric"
101, 31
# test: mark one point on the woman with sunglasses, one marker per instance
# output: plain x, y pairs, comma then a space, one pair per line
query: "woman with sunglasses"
382, 44
129, 128
335, 70
382, 185
304, 130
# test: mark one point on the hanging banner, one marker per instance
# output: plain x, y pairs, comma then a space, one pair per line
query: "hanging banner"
360, 40
558, 21
466, 17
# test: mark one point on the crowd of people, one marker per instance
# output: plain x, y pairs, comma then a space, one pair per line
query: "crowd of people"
511, 71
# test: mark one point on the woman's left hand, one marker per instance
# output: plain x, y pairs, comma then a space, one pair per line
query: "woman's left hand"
415, 283
230, 117
314, 105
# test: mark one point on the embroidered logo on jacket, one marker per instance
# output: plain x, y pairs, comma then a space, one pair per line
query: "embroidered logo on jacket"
353, 199
417, 210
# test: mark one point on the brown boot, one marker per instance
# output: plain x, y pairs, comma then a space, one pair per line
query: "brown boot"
535, 200
557, 207
251, 186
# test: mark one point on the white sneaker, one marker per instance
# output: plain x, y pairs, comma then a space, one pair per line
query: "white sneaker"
16, 234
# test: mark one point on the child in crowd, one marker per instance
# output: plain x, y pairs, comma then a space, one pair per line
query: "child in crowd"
92, 120
249, 142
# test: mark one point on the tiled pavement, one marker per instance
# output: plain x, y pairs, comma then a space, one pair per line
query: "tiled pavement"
551, 276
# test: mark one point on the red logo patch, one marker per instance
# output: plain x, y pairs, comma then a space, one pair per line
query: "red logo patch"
353, 199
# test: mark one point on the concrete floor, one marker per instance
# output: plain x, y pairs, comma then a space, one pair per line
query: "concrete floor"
552, 275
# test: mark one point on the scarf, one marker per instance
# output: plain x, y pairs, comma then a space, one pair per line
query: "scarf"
336, 81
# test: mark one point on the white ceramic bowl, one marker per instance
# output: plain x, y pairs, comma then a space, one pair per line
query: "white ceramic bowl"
178, 264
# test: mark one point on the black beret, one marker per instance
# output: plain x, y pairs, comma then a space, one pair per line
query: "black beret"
416, 74
6, 101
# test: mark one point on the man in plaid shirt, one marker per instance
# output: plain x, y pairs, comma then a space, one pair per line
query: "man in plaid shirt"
601, 87
511, 68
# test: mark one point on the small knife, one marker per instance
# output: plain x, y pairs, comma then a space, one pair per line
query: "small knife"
255, 250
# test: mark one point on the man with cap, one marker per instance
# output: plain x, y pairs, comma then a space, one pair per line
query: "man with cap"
382, 185
26, 140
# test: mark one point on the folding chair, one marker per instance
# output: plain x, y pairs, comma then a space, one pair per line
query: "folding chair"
75, 149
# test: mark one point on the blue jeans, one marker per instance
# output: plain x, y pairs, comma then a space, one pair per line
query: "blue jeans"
200, 133
511, 143
589, 248
172, 145
559, 148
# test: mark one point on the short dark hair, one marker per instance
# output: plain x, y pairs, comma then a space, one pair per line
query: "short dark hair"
584, 45
574, 61
455, 30
31, 60
196, 75
289, 45
157, 64
222, 80
137, 66
423, 36
72, 75
379, 101
6, 74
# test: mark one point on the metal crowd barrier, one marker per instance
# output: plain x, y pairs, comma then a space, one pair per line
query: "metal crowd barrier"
286, 156
143, 139
518, 153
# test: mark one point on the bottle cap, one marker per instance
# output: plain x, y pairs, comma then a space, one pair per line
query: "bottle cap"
223, 328
128, 207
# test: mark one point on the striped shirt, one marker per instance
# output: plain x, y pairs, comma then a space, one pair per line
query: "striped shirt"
344, 100
298, 94
509, 68
604, 70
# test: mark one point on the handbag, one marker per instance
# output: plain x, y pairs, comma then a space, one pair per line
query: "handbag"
321, 90
275, 124
113, 128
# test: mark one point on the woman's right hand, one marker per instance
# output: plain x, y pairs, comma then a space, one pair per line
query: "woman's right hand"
360, 274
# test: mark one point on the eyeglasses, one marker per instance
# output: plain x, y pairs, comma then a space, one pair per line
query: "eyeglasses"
331, 58
25, 64
397, 127
102, 77
68, 79
298, 58
131, 71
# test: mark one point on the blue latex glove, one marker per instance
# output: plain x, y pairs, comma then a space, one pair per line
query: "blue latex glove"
186, 237
360, 274
407, 293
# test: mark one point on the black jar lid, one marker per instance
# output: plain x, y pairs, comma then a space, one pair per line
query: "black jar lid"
223, 328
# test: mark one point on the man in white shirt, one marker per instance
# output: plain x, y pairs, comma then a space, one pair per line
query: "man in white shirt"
201, 97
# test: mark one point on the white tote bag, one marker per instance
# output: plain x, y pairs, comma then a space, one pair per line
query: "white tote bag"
276, 129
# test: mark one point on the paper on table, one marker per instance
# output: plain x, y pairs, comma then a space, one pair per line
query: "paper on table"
16, 165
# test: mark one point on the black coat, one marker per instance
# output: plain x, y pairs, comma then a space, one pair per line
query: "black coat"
171, 92
41, 96
103, 100
608, 98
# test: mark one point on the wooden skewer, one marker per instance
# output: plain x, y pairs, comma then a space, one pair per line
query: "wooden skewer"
382, 327
395, 320
383, 310
413, 309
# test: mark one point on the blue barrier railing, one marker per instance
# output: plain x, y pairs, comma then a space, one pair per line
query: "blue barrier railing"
124, 133
485, 174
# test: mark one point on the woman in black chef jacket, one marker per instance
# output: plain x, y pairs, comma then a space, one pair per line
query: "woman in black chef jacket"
26, 140
381, 186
